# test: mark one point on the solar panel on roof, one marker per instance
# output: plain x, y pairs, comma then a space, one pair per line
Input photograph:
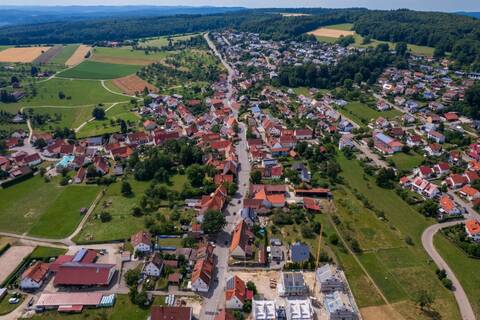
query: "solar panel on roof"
79, 255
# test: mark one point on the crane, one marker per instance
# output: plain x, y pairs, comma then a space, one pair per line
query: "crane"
317, 258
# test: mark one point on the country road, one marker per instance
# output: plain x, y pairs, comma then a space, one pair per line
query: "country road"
464, 305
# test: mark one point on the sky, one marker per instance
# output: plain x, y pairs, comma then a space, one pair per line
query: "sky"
430, 5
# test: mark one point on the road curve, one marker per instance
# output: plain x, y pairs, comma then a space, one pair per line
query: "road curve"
464, 305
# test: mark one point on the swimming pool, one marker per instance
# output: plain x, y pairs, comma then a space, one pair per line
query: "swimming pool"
66, 160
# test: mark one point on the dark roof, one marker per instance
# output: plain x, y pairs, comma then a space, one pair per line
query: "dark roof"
299, 252
171, 313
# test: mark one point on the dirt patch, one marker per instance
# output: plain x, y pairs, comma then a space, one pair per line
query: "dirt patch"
380, 313
132, 84
49, 55
11, 259
120, 60
24, 55
78, 56
331, 33
295, 14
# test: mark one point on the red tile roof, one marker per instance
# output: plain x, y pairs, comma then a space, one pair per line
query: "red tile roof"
36, 272
79, 274
171, 313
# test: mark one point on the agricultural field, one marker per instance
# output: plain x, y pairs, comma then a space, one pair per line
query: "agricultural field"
331, 34
98, 71
123, 224
47, 94
48, 55
109, 124
22, 55
132, 85
163, 41
65, 54
362, 114
465, 268
127, 56
400, 270
42, 208
78, 55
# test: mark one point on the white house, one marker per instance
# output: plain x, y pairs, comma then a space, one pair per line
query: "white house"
34, 276
300, 309
264, 310
154, 267
141, 242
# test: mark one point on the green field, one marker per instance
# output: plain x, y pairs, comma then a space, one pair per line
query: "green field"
100, 127
70, 117
362, 114
4, 47
126, 55
99, 70
163, 41
123, 309
421, 50
64, 54
404, 161
41, 208
6, 307
400, 270
63, 215
465, 268
47, 252
123, 224
75, 95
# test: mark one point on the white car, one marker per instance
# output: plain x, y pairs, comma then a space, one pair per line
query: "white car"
13, 300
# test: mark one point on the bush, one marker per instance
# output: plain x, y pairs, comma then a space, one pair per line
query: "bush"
447, 283
333, 238
105, 216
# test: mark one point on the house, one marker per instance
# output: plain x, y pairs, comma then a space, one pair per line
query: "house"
215, 201
303, 134
84, 274
471, 176
434, 150
455, 181
291, 284
202, 274
345, 141
436, 136
149, 125
171, 313
264, 310
154, 267
141, 242
329, 279
441, 168
469, 192
34, 276
340, 306
80, 175
242, 240
386, 144
32, 159
448, 206
299, 309
425, 172
451, 116
414, 140
137, 138
299, 252
472, 227
236, 293
424, 188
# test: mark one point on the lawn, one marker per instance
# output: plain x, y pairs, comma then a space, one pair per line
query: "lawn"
6, 307
62, 217
100, 127
400, 270
99, 70
46, 209
407, 161
47, 252
67, 117
465, 268
123, 309
64, 54
123, 224
163, 41
421, 50
362, 114
75, 95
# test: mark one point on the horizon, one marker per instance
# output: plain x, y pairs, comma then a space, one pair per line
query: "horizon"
428, 5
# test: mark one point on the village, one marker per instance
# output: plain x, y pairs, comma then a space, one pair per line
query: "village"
259, 157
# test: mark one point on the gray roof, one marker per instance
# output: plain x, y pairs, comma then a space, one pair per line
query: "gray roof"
299, 252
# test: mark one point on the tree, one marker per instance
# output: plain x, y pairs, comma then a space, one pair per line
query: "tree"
385, 178
256, 177
105, 216
98, 113
126, 188
40, 143
429, 208
123, 126
401, 48
195, 174
132, 276
252, 287
213, 222
424, 299
137, 211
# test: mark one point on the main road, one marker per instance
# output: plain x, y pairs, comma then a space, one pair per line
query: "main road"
214, 300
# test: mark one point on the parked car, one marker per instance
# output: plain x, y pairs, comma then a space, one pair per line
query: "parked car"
13, 300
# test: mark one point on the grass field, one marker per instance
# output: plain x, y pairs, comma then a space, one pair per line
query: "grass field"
362, 114
398, 269
404, 161
99, 70
100, 127
75, 93
63, 215
123, 224
6, 307
163, 41
123, 309
70, 117
45, 209
66, 52
127, 56
465, 268
421, 50
47, 252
